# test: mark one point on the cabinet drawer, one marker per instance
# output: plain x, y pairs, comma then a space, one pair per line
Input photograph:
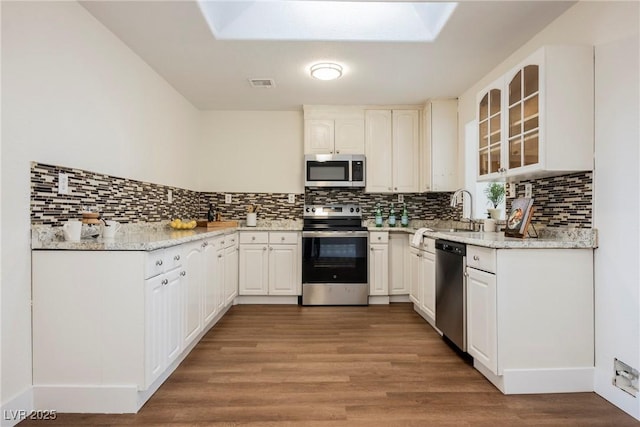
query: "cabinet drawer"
172, 257
481, 258
428, 245
283, 237
254, 237
231, 240
378, 237
154, 263
219, 242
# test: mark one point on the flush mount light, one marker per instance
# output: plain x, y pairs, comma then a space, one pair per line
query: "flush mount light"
326, 71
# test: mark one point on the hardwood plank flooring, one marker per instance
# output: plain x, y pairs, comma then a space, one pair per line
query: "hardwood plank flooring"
340, 366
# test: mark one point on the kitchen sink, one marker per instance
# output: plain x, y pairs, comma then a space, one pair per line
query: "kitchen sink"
453, 230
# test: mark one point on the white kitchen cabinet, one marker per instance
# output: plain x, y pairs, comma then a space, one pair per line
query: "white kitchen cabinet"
428, 282
522, 304
211, 280
192, 288
415, 285
333, 130
392, 140
439, 148
422, 271
378, 263
398, 259
230, 279
537, 120
271, 267
482, 329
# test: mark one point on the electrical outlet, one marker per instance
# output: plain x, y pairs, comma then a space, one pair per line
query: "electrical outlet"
227, 198
169, 196
400, 198
63, 183
291, 198
528, 190
511, 190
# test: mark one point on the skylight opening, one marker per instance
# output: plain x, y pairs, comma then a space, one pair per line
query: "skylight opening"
326, 20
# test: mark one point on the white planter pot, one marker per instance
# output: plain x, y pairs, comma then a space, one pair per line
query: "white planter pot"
495, 213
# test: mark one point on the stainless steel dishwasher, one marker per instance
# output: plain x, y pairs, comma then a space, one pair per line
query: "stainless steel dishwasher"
451, 292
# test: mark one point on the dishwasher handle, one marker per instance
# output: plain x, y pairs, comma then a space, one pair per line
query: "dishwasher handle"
455, 248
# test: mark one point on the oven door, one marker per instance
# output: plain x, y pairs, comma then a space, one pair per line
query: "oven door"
335, 257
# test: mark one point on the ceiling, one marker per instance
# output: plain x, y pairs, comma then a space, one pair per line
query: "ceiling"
174, 39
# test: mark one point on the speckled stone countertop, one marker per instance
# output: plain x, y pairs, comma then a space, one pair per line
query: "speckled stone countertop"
548, 238
143, 236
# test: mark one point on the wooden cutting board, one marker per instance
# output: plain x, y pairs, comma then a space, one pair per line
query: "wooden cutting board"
216, 224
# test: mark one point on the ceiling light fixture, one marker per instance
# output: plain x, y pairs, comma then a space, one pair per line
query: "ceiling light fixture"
326, 71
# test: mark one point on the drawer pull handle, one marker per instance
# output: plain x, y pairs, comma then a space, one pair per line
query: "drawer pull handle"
222, 243
476, 258
159, 262
183, 273
165, 281
379, 237
205, 244
219, 255
282, 238
177, 257
253, 237
264, 248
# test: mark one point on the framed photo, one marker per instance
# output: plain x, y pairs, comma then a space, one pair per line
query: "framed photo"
519, 217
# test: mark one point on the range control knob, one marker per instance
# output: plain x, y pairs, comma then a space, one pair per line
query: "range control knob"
306, 209
313, 209
357, 209
351, 210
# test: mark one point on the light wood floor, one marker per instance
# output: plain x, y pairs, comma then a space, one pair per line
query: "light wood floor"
340, 366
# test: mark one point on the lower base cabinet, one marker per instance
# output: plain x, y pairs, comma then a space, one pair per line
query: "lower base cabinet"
482, 329
270, 263
422, 278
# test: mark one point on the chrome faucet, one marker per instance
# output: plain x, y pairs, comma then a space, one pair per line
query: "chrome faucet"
454, 202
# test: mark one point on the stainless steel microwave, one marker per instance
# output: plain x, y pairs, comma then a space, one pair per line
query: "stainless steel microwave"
334, 170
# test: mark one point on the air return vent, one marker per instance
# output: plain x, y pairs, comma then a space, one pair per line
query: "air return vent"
262, 83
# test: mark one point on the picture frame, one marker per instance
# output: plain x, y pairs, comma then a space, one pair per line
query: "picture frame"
519, 217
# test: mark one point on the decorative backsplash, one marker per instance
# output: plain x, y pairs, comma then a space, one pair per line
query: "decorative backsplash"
559, 201
425, 206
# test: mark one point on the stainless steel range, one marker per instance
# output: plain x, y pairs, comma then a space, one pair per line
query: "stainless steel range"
334, 256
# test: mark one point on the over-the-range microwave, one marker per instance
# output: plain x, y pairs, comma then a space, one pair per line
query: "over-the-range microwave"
334, 170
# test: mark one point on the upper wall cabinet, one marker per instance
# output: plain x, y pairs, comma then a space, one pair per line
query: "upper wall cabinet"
333, 131
439, 149
537, 120
392, 150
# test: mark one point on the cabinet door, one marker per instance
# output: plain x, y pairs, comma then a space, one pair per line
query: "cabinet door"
406, 145
523, 118
192, 290
155, 326
283, 269
398, 285
318, 136
428, 282
415, 289
212, 267
378, 142
230, 278
440, 153
379, 270
253, 270
174, 304
349, 136
490, 132
482, 340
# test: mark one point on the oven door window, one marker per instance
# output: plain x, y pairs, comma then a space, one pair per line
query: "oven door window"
334, 260
328, 171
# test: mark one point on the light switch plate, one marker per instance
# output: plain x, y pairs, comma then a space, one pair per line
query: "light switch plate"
528, 190
227, 198
291, 198
511, 190
400, 198
63, 183
169, 196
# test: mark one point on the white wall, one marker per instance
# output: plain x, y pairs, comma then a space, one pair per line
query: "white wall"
604, 25
74, 95
252, 151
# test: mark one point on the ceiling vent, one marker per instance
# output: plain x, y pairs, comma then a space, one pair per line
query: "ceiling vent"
262, 83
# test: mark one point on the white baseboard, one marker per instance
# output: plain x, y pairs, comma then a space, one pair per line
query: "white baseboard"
378, 300
17, 408
537, 381
430, 320
266, 299
98, 399
399, 298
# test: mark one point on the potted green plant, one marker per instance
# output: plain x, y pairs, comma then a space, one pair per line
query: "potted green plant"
495, 193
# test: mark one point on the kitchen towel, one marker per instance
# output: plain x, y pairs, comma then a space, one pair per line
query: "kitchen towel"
417, 236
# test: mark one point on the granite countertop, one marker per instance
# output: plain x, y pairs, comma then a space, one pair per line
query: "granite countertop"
549, 238
145, 236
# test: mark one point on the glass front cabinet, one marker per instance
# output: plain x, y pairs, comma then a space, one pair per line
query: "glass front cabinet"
537, 120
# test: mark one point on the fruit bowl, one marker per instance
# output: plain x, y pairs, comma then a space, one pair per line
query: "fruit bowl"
178, 224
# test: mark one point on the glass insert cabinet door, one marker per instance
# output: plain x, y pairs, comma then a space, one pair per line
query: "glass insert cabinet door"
490, 133
523, 118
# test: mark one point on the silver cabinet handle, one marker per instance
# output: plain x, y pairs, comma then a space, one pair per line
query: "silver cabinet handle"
396, 188
371, 249
219, 255
282, 238
222, 243
165, 281
253, 237
205, 244
337, 151
419, 255
177, 257
159, 262
476, 258
379, 237
183, 273
389, 188
264, 248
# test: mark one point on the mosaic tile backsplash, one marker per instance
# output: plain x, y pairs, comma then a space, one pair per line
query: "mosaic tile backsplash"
559, 201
